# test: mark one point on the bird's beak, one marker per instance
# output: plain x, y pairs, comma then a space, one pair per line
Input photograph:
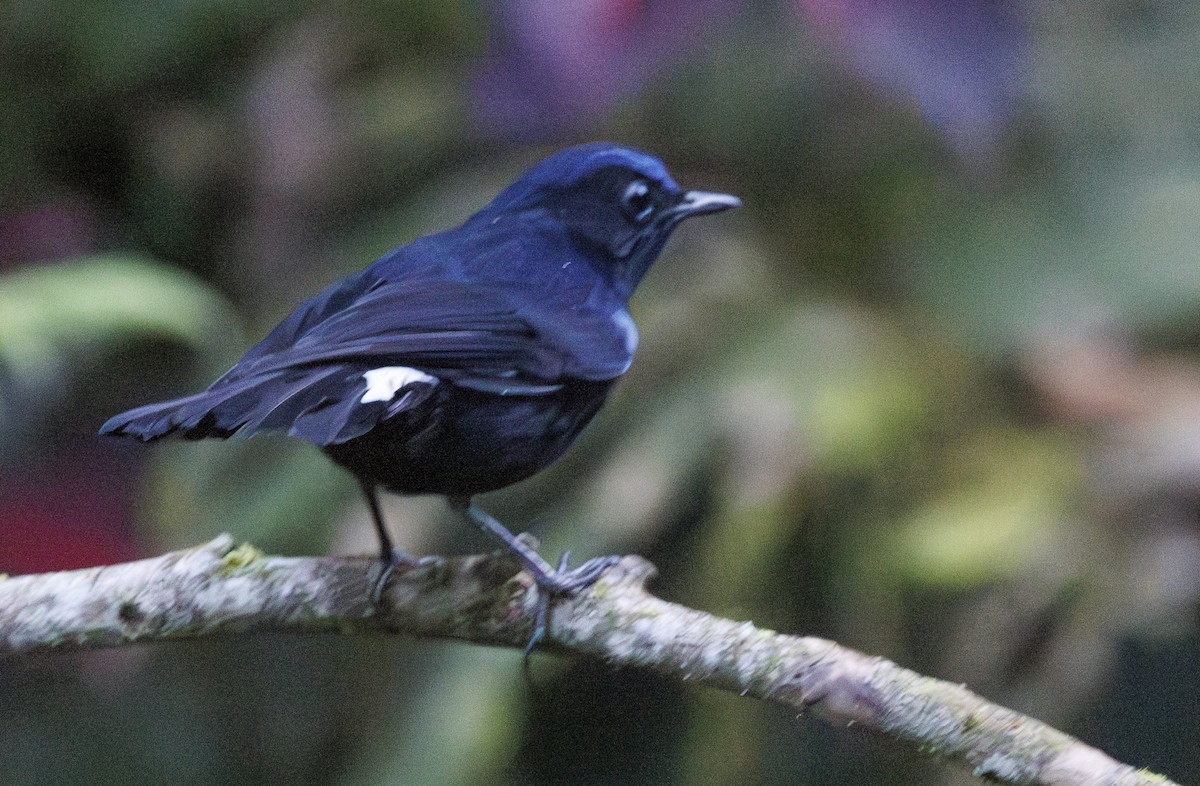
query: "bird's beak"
692, 203
698, 203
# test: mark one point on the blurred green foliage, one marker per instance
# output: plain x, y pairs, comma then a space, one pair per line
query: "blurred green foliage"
936, 405
61, 319
87, 305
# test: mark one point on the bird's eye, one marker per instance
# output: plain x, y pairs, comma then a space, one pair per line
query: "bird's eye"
637, 201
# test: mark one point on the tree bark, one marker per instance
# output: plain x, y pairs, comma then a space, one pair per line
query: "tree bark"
220, 588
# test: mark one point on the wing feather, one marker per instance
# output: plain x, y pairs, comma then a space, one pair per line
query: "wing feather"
307, 375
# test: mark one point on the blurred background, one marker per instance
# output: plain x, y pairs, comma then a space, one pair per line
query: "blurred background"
933, 393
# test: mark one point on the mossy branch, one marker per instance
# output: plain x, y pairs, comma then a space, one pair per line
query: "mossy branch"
221, 588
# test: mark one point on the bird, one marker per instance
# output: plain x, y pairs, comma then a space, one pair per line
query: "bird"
466, 360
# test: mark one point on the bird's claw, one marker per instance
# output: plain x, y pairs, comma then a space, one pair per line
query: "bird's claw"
395, 559
563, 582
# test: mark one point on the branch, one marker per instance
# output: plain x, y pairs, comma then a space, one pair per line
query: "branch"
218, 588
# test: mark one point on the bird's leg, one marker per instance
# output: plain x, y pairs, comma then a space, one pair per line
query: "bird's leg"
551, 581
387, 551
541, 614
555, 581
392, 557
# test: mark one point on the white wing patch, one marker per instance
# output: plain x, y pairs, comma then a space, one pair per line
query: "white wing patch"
382, 383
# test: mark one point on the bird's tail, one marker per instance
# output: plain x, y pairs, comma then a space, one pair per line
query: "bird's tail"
240, 406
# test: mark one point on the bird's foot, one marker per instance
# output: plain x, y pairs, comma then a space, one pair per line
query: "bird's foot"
389, 561
560, 582
551, 582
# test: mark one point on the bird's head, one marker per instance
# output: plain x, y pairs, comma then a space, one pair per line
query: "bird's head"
619, 203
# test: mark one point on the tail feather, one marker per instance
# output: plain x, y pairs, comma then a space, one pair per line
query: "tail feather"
321, 405
309, 389
217, 412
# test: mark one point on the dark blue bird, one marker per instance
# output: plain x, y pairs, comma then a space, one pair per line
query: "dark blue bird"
466, 360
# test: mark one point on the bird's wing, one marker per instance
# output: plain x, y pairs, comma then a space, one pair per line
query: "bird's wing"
385, 352
481, 336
